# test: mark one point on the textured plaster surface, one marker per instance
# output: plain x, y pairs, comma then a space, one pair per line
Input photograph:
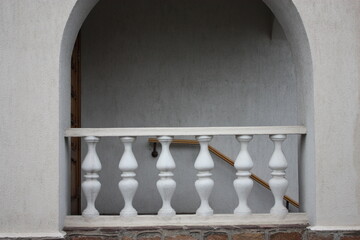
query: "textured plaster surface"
333, 31
70, 32
30, 43
186, 64
31, 33
290, 19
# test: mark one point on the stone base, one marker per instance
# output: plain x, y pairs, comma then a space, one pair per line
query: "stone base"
210, 233
205, 233
190, 227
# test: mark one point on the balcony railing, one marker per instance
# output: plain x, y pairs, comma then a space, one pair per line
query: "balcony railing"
225, 158
203, 164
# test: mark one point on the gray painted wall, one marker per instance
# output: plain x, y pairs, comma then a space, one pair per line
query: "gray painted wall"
184, 63
289, 18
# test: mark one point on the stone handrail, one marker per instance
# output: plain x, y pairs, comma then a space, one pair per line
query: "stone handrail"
203, 164
183, 131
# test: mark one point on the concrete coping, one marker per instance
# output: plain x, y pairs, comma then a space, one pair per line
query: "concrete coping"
260, 220
184, 131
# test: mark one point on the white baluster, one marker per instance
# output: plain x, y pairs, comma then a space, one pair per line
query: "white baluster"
278, 182
166, 185
128, 185
204, 185
91, 186
243, 184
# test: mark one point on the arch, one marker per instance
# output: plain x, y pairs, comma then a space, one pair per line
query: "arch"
288, 16
76, 18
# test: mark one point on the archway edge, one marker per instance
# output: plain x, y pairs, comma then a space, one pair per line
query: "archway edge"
77, 16
289, 18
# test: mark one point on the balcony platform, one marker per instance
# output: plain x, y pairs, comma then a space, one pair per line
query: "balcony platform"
260, 220
188, 227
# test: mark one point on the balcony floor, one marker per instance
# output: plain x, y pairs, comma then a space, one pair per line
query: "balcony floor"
73, 222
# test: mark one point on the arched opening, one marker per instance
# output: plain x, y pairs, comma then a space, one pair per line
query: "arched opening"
300, 74
289, 18
77, 16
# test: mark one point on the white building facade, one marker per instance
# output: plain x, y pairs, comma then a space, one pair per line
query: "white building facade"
37, 38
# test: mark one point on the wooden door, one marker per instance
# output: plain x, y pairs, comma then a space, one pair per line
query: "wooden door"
76, 123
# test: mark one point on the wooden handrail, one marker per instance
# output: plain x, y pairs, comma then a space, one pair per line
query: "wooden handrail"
229, 161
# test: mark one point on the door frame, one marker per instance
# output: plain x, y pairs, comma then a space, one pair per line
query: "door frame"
76, 123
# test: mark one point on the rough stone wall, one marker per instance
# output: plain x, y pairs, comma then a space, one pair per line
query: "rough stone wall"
297, 232
270, 232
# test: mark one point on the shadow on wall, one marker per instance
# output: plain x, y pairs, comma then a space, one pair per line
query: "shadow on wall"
186, 63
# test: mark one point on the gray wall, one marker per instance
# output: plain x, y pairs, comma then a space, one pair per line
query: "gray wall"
186, 63
289, 17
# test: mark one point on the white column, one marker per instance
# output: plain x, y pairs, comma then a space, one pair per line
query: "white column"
91, 186
278, 182
128, 185
204, 185
243, 184
166, 185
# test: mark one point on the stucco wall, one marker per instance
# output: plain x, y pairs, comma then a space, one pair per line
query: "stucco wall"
73, 24
31, 33
30, 43
289, 18
171, 63
333, 31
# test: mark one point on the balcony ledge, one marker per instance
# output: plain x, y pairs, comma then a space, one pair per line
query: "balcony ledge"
181, 221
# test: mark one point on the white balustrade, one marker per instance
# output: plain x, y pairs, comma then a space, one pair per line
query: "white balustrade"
91, 186
204, 185
243, 184
128, 185
278, 182
166, 185
204, 164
